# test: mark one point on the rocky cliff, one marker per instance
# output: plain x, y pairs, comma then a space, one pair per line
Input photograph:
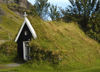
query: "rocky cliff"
22, 3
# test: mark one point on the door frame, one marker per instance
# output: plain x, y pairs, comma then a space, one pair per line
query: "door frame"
24, 51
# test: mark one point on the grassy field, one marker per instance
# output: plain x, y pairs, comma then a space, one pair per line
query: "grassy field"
79, 53
46, 68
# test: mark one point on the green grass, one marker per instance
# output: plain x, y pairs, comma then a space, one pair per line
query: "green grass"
79, 53
9, 23
46, 68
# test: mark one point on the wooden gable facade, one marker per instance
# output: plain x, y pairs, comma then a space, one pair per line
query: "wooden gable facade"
24, 36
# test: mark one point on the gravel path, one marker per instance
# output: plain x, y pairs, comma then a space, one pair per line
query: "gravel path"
11, 65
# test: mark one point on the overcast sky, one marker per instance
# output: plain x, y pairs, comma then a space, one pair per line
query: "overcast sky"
60, 3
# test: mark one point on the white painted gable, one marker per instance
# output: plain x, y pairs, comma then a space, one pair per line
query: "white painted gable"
27, 22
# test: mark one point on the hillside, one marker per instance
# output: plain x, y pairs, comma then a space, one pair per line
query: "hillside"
79, 52
9, 23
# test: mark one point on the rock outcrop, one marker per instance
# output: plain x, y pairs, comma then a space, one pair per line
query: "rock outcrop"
22, 3
1, 12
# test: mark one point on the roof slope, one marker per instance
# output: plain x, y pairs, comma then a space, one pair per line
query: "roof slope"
27, 22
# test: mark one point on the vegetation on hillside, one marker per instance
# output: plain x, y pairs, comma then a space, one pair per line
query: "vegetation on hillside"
65, 42
87, 14
8, 52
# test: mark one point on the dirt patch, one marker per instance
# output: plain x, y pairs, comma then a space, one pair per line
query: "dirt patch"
3, 67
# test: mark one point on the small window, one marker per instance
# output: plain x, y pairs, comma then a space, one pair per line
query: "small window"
26, 33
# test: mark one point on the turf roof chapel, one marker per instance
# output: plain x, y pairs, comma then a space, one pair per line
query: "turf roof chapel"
23, 38
76, 51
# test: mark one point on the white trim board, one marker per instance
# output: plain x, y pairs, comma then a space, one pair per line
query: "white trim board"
27, 22
24, 52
